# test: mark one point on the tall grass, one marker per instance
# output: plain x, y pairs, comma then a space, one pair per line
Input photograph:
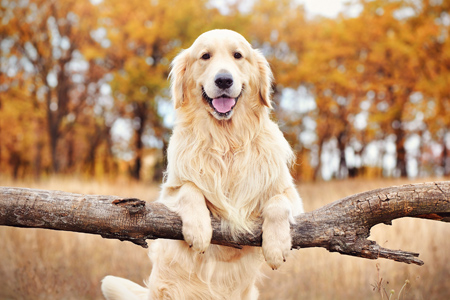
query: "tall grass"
44, 264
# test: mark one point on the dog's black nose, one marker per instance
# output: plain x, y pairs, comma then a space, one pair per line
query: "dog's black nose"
223, 80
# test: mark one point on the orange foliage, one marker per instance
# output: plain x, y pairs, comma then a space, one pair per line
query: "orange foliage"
71, 69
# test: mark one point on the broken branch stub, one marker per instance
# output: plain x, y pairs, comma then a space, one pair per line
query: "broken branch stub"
344, 225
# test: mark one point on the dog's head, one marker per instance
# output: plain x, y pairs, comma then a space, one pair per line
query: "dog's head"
218, 72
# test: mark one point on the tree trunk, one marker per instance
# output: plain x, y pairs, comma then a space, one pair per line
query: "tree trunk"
52, 130
57, 110
445, 154
318, 167
401, 151
343, 168
38, 160
15, 161
140, 111
91, 157
342, 226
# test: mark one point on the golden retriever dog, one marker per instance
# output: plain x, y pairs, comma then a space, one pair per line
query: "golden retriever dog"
227, 158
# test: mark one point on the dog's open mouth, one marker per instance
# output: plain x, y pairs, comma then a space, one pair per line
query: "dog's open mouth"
223, 105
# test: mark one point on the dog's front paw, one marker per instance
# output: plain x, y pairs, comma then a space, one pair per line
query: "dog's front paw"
197, 232
276, 242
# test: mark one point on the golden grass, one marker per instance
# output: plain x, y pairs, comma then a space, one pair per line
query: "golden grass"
44, 264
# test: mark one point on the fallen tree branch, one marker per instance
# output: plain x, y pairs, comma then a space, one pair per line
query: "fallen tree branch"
342, 226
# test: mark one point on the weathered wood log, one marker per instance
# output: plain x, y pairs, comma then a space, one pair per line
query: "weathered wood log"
342, 226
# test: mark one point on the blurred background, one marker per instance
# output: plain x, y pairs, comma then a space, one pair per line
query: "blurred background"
361, 91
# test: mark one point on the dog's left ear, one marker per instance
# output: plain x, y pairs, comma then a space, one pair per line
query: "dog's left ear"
265, 80
178, 77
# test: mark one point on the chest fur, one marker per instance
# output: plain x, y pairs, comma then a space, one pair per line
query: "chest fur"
235, 178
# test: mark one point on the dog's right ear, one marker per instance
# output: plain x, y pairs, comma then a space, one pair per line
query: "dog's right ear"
178, 77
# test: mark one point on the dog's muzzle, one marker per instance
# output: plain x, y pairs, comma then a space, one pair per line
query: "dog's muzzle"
222, 105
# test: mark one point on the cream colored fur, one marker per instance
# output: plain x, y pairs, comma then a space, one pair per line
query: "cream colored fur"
235, 167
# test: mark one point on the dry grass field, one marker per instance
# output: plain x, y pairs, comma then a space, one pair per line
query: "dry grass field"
44, 264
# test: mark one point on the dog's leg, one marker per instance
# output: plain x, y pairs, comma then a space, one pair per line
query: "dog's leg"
191, 206
278, 214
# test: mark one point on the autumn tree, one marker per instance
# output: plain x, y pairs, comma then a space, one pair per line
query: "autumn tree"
280, 30
362, 71
71, 69
431, 25
46, 39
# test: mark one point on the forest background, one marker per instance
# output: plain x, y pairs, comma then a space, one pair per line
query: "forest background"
85, 107
84, 89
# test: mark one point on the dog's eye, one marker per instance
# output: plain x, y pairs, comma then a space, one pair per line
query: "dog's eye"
206, 56
237, 55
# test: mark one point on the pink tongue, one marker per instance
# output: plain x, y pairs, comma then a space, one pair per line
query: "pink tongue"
223, 105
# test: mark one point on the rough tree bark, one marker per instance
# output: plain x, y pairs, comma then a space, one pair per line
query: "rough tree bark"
342, 226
